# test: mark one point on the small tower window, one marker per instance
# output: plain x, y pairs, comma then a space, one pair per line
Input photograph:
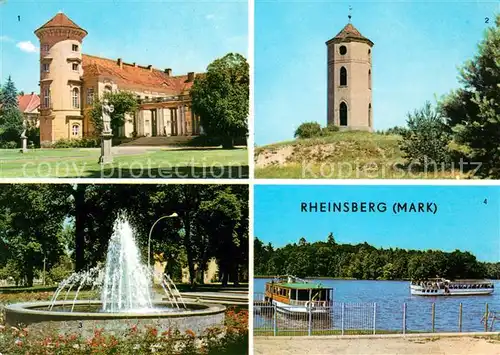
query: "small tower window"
343, 76
45, 67
369, 79
75, 93
75, 66
107, 88
46, 98
45, 47
369, 115
343, 114
343, 50
75, 130
75, 47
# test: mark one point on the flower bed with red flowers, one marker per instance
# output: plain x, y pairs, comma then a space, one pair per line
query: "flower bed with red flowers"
230, 339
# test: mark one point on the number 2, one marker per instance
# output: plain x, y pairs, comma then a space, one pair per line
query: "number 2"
486, 20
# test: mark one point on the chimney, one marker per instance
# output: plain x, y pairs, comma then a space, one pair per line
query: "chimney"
134, 64
120, 62
32, 93
150, 67
191, 76
168, 71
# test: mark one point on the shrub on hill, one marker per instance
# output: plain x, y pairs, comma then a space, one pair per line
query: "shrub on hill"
77, 143
308, 130
426, 139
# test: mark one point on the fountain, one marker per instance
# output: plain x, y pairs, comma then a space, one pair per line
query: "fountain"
126, 296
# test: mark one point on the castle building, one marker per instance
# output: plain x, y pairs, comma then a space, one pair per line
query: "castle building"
70, 81
349, 101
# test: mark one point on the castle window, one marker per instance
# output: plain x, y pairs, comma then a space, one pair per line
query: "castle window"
75, 130
90, 96
369, 79
369, 115
343, 50
343, 76
75, 66
46, 98
45, 67
343, 114
75, 47
75, 93
45, 47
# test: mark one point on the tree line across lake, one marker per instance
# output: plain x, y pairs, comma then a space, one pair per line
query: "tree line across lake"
365, 262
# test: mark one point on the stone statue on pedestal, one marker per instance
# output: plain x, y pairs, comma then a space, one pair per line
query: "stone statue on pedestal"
107, 110
106, 134
24, 139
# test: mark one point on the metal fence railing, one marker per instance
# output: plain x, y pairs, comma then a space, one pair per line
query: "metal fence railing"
340, 318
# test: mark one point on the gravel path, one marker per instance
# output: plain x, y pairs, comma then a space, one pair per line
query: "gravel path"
385, 346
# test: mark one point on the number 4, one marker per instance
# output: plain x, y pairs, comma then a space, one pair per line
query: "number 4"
485, 201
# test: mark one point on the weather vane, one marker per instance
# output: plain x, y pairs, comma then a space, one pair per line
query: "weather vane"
350, 11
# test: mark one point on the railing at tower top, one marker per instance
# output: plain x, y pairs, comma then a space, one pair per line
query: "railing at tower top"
153, 100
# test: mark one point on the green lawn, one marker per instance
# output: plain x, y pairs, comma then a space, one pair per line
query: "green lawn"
343, 155
130, 163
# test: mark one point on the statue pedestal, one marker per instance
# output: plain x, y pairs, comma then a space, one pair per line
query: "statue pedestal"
24, 141
106, 140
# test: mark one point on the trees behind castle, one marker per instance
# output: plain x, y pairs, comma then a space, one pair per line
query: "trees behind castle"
49, 222
364, 261
11, 118
221, 98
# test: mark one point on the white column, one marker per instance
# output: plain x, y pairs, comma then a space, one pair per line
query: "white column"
167, 119
179, 121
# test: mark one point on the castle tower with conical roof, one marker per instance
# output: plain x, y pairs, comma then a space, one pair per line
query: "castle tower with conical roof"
349, 102
60, 79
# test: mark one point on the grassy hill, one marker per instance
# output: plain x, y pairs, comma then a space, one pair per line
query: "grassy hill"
343, 155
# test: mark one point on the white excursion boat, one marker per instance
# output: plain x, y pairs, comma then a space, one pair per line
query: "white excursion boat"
443, 287
292, 295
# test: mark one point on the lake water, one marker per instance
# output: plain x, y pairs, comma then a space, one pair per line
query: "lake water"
390, 296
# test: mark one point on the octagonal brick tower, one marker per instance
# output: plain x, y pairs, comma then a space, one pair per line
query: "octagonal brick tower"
349, 102
60, 79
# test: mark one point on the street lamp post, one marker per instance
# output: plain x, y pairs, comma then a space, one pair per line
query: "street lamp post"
151, 231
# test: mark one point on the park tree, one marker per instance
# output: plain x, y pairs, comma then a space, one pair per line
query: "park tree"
124, 103
221, 98
11, 118
32, 218
473, 111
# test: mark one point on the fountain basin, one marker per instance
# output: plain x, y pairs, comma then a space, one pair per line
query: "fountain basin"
196, 317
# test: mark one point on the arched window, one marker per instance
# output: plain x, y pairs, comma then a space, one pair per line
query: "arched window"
75, 130
369, 115
75, 93
108, 88
343, 114
343, 76
369, 79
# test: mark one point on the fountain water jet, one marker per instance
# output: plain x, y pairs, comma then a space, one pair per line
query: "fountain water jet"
125, 289
126, 281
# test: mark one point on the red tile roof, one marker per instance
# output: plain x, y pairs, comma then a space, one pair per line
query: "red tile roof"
349, 33
28, 103
133, 77
61, 20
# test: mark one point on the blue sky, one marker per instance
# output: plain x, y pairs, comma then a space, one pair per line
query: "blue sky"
185, 36
463, 221
418, 47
